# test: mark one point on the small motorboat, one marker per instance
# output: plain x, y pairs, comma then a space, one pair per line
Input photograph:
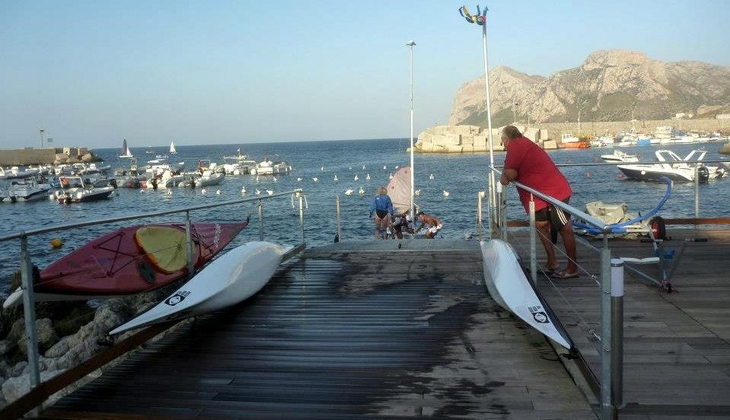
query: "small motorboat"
672, 166
619, 156
27, 190
75, 190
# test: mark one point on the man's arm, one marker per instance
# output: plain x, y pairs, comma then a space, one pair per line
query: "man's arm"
508, 175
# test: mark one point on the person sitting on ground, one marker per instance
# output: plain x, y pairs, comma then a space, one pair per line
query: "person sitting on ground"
382, 206
432, 224
402, 223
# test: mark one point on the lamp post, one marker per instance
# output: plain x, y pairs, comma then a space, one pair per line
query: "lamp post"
514, 113
42, 130
411, 44
579, 111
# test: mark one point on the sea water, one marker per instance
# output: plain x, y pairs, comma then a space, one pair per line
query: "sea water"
463, 176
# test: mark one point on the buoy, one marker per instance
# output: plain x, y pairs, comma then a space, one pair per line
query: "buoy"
56, 242
620, 176
588, 174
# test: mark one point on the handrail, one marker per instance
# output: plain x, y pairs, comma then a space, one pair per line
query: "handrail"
26, 265
566, 207
67, 226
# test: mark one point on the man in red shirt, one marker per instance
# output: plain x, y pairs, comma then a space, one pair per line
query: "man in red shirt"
528, 164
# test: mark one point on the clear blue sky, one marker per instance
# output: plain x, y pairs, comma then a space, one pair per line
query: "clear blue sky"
91, 73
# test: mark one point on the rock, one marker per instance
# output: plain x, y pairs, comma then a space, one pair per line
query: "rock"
6, 346
45, 334
14, 388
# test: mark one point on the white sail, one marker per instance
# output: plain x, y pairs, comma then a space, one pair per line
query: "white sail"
172, 148
399, 190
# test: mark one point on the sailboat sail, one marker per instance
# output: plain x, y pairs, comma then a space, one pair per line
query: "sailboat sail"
126, 153
172, 148
399, 190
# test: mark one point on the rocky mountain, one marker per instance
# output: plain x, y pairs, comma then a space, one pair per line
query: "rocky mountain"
613, 85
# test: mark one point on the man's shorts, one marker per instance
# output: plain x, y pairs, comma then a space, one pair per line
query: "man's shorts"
557, 217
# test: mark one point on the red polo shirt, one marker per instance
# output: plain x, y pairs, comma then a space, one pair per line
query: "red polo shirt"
536, 170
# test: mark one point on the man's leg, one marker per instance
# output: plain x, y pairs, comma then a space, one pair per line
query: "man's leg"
543, 231
566, 232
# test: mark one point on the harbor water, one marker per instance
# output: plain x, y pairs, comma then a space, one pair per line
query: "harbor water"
356, 164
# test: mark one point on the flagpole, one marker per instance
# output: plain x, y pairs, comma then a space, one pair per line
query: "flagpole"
492, 180
411, 44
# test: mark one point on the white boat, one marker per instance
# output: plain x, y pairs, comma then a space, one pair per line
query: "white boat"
268, 167
126, 153
26, 190
75, 190
510, 288
619, 156
672, 166
230, 279
173, 151
15, 172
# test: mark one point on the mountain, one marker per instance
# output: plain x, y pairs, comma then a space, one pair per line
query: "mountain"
613, 85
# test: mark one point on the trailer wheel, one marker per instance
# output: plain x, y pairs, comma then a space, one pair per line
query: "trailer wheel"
658, 228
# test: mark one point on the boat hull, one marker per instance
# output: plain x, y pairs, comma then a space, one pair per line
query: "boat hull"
230, 279
654, 173
116, 265
510, 288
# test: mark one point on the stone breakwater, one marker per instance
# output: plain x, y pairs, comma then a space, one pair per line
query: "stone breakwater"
470, 139
61, 352
48, 156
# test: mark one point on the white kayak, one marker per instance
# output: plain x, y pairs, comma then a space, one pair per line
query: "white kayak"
510, 288
228, 280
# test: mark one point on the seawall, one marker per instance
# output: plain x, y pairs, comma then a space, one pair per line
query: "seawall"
47, 156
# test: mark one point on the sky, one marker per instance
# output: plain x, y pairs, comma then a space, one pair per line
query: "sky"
92, 73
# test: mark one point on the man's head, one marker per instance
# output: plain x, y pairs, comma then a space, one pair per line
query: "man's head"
510, 132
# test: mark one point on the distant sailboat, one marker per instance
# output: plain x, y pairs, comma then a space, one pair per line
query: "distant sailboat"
172, 148
126, 153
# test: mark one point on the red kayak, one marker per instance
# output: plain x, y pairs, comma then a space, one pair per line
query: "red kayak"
130, 260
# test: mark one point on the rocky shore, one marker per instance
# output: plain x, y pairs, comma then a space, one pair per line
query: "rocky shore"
68, 333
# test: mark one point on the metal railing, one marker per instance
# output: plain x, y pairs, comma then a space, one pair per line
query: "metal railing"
610, 378
26, 265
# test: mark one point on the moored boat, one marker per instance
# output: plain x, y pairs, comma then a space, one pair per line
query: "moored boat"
75, 190
619, 156
670, 165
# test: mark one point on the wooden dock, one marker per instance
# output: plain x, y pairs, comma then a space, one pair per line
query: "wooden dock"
364, 330
404, 329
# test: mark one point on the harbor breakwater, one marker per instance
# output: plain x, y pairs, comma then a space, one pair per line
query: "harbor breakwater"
47, 156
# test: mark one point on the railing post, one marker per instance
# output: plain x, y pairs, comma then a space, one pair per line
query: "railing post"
26, 276
337, 205
607, 409
260, 207
697, 191
533, 241
189, 243
617, 343
502, 211
300, 194
480, 196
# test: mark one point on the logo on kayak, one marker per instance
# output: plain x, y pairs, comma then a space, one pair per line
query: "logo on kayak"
538, 314
177, 298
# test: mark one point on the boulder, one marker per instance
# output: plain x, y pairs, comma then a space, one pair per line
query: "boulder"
14, 388
725, 149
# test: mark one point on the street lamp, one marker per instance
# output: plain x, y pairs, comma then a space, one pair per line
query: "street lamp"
411, 44
42, 130
579, 111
